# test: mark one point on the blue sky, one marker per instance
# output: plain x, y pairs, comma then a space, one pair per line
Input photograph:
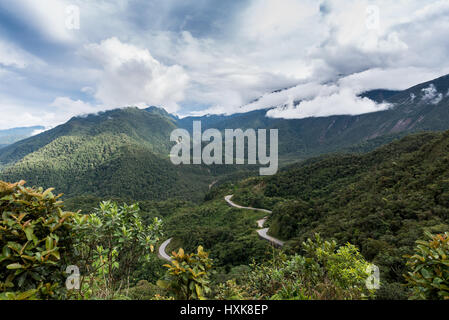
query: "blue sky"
213, 56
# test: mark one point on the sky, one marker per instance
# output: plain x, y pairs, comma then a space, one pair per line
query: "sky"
62, 58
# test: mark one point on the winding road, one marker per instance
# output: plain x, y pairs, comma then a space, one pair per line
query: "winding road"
260, 223
263, 231
162, 253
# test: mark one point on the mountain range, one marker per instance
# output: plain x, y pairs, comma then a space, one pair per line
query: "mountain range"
125, 152
9, 136
421, 108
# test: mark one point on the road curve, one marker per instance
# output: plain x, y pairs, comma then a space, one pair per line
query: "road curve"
162, 247
228, 200
260, 223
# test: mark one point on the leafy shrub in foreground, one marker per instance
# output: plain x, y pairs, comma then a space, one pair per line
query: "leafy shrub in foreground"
324, 273
188, 275
429, 275
110, 244
34, 241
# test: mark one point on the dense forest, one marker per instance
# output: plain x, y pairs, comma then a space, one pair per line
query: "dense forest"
125, 152
382, 201
108, 255
338, 214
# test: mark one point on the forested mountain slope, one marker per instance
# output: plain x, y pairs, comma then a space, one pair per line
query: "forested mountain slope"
101, 154
122, 152
382, 201
424, 107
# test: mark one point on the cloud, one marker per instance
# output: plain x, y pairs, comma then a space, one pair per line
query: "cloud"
12, 56
193, 58
328, 98
431, 95
59, 111
391, 78
343, 101
21, 116
39, 131
69, 107
46, 17
290, 42
129, 75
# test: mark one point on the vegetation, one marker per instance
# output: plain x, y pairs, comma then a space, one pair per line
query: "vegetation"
382, 201
121, 153
35, 241
370, 207
323, 273
429, 275
110, 244
188, 275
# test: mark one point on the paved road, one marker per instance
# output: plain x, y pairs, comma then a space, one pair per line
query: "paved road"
162, 253
228, 200
260, 223
262, 232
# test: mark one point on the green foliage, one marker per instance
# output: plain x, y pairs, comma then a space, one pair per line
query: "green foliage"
228, 234
119, 153
34, 239
109, 245
188, 275
382, 201
230, 290
429, 275
145, 290
323, 273
345, 267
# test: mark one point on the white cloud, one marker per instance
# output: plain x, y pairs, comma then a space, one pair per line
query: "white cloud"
337, 97
69, 107
128, 75
46, 16
390, 78
16, 115
292, 41
324, 46
39, 131
12, 56
431, 95
60, 111
343, 101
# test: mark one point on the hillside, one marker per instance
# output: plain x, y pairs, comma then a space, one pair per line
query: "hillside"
9, 136
102, 154
382, 201
424, 107
116, 153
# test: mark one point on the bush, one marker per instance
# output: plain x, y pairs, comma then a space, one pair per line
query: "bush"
35, 240
145, 290
429, 275
324, 273
110, 244
187, 277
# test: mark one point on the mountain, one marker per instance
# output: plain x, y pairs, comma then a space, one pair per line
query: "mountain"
123, 152
424, 107
9, 136
382, 201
